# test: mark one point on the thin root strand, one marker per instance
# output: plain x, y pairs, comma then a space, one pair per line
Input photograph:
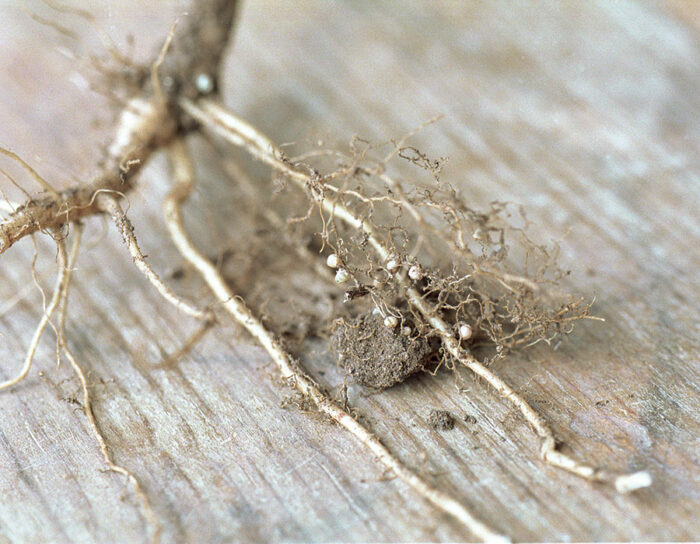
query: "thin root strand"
43, 322
111, 205
146, 507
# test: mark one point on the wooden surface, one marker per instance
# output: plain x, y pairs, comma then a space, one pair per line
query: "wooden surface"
584, 112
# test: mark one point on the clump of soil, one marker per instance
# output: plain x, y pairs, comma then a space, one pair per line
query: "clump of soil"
376, 355
441, 420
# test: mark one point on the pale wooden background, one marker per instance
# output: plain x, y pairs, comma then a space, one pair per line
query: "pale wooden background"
584, 112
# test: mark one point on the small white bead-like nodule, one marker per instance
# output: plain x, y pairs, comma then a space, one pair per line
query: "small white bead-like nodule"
478, 234
392, 263
204, 83
341, 276
391, 321
406, 331
415, 273
333, 261
465, 331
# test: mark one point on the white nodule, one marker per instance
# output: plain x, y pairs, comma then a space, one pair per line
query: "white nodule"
204, 83
465, 331
341, 276
415, 273
632, 482
391, 321
406, 331
393, 263
333, 261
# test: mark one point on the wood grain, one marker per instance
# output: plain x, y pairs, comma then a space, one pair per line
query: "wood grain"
585, 113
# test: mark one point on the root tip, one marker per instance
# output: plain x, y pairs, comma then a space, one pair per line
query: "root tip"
632, 482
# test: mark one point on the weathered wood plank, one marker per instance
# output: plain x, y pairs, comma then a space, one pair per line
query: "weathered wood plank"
583, 112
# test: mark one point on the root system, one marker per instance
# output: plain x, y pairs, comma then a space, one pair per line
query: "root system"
426, 278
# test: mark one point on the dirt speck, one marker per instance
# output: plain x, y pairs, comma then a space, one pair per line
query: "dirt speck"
441, 420
376, 355
177, 274
469, 419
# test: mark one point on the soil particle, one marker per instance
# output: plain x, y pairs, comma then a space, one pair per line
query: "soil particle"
469, 419
441, 420
376, 355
